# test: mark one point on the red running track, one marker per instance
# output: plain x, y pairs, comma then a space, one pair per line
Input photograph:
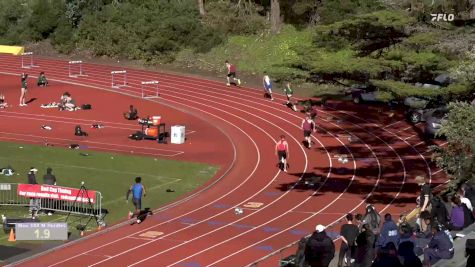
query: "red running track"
203, 230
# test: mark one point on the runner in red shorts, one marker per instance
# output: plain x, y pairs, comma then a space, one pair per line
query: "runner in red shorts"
308, 125
232, 74
282, 151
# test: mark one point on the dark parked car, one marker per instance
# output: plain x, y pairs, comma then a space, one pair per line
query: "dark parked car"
434, 122
416, 115
363, 93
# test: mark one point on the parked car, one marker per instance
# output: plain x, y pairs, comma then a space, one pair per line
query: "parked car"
434, 122
363, 93
415, 102
416, 115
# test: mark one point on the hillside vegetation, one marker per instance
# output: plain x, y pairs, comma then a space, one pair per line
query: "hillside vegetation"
327, 45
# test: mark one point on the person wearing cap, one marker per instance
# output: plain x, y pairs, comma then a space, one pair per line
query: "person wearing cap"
320, 249
34, 202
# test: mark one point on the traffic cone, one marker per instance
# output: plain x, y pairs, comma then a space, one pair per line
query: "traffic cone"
11, 238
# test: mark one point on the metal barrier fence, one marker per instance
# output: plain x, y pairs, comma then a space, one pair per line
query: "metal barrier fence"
9, 197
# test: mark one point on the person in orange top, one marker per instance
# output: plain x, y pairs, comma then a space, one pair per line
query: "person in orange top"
282, 151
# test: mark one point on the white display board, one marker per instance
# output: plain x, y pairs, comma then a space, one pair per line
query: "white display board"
178, 134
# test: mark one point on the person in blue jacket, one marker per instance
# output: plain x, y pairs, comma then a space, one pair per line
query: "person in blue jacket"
440, 247
389, 232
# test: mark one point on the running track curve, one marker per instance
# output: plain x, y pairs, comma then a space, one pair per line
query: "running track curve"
203, 230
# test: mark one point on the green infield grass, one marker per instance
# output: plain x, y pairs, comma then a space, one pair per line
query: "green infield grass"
109, 173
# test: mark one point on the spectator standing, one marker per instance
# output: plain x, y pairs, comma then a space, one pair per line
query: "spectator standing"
348, 233
440, 247
34, 202
425, 194
372, 218
49, 178
138, 191
359, 220
389, 232
364, 247
24, 89
320, 249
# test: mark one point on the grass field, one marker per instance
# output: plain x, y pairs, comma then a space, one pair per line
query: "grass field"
111, 174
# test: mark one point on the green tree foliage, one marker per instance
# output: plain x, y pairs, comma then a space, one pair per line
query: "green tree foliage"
457, 158
464, 71
12, 21
43, 19
365, 33
150, 30
230, 18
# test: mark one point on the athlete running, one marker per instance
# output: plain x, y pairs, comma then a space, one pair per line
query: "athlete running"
267, 85
138, 191
308, 125
232, 73
282, 151
289, 92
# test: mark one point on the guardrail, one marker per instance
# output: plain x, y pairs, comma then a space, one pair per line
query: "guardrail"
76, 204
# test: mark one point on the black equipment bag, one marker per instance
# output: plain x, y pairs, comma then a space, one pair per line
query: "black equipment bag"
470, 245
86, 106
78, 131
137, 136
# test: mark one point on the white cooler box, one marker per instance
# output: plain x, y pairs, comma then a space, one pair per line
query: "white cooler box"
178, 134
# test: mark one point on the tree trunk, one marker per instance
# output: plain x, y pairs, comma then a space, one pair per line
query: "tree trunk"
472, 9
275, 16
201, 6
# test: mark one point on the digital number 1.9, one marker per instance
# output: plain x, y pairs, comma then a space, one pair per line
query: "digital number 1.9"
45, 234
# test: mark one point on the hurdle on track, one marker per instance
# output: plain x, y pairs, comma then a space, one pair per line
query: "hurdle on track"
119, 78
27, 60
150, 89
75, 69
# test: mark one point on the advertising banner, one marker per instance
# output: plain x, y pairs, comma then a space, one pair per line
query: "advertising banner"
55, 193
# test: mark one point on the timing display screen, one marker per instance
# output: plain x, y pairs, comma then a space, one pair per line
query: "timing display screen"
41, 231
